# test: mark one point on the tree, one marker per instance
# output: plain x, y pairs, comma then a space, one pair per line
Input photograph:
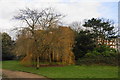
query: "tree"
43, 20
55, 46
76, 26
84, 43
101, 28
7, 47
66, 40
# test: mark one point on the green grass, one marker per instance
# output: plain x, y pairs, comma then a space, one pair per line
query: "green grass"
72, 71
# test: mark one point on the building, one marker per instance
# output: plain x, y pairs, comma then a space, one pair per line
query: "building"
113, 43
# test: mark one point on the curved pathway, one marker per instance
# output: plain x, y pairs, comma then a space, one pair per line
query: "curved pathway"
19, 74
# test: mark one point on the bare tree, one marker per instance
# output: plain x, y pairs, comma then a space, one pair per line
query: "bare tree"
38, 20
76, 26
50, 18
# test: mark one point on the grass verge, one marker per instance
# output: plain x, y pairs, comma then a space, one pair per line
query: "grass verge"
72, 71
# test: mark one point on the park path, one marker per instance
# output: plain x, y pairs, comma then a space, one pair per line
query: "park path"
19, 74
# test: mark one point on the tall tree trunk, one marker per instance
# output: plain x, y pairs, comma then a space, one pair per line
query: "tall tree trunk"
38, 63
53, 56
50, 57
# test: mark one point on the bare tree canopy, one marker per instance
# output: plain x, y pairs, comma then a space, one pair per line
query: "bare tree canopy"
43, 19
76, 26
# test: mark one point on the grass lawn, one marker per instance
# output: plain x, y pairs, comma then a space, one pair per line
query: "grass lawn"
72, 71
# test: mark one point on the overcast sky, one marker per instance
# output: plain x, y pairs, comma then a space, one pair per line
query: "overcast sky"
75, 10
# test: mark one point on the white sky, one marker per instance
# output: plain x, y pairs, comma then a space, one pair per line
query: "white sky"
76, 10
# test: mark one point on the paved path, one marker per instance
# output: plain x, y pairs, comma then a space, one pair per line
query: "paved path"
19, 74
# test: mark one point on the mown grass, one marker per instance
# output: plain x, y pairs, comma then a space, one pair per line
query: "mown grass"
72, 71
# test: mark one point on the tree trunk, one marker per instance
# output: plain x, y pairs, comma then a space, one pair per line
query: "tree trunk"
53, 56
49, 55
50, 58
38, 63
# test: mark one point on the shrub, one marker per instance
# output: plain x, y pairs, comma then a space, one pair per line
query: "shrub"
102, 50
100, 55
98, 60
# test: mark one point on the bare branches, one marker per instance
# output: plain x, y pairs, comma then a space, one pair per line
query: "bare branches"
46, 18
49, 18
29, 16
76, 26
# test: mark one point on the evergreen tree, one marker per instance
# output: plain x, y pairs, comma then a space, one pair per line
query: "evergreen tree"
101, 28
7, 47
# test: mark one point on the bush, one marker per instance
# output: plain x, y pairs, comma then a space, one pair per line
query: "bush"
99, 60
100, 55
8, 56
102, 50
